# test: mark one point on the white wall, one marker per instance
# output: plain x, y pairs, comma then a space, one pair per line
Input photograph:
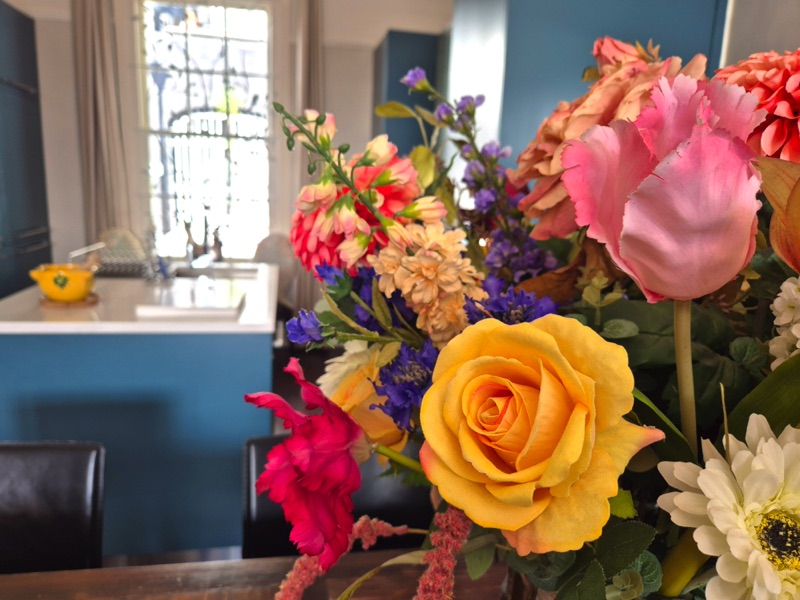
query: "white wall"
760, 25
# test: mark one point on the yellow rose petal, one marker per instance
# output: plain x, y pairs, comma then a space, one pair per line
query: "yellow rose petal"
625, 440
473, 498
568, 522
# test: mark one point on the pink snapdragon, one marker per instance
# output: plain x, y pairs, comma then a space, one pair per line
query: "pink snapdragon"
673, 195
314, 472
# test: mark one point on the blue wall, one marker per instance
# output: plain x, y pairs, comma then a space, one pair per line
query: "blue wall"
550, 43
169, 410
400, 52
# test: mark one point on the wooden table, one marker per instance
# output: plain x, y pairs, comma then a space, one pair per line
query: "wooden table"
251, 579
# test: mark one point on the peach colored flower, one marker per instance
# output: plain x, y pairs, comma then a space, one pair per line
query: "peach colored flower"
621, 93
428, 209
524, 430
326, 131
434, 277
775, 80
316, 196
609, 52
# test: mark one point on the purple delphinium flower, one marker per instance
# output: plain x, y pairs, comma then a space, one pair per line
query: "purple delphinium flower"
493, 150
443, 113
414, 78
484, 200
329, 274
404, 382
516, 252
304, 328
474, 173
508, 305
468, 103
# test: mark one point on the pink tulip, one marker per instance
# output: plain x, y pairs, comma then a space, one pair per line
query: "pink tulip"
673, 195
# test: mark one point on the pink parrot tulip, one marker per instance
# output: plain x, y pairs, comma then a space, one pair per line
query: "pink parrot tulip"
673, 194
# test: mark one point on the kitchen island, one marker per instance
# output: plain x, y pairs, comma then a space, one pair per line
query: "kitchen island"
157, 373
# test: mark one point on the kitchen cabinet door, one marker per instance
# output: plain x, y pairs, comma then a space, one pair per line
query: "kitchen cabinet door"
17, 47
23, 185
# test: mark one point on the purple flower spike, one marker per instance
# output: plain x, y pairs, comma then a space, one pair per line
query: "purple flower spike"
484, 200
304, 328
414, 78
443, 113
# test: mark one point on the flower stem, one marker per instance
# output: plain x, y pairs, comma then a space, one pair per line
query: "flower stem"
400, 459
683, 363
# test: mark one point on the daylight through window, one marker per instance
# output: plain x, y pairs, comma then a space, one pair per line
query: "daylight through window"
207, 85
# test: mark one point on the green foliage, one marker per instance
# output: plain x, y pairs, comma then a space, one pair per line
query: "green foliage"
751, 355
479, 552
394, 110
621, 544
589, 585
649, 567
675, 446
543, 570
777, 398
617, 329
622, 505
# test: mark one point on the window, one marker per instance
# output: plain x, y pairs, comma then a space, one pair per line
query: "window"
207, 89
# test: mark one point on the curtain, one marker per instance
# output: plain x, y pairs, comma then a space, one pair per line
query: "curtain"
309, 93
108, 197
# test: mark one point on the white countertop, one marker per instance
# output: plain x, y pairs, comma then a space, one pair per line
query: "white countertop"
129, 306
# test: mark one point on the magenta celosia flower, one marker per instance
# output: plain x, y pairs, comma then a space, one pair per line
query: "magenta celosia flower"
673, 195
314, 472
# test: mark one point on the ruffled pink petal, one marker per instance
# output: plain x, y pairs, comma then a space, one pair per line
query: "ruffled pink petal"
690, 227
675, 112
734, 109
599, 184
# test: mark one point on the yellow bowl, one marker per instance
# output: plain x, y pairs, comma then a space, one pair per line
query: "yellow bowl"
64, 283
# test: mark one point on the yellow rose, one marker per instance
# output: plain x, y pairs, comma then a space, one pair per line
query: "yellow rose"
524, 430
348, 383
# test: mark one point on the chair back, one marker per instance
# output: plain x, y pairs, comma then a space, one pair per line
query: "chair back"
266, 532
51, 506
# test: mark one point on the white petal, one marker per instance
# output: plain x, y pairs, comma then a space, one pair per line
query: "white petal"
758, 430
791, 476
694, 504
760, 487
718, 483
735, 447
679, 475
710, 452
789, 435
666, 502
740, 544
742, 465
710, 541
723, 517
770, 458
730, 568
719, 589
765, 581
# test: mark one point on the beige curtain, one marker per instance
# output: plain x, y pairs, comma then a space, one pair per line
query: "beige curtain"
108, 197
309, 93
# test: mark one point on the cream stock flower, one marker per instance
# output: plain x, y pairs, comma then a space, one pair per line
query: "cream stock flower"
348, 382
744, 511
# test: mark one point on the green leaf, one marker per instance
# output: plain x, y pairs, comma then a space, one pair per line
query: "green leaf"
674, 447
751, 355
578, 317
649, 567
428, 116
388, 353
543, 570
621, 543
344, 148
424, 162
616, 329
380, 307
776, 398
622, 505
394, 110
480, 559
589, 585
278, 107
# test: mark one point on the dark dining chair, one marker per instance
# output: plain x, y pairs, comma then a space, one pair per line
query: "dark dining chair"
266, 532
51, 506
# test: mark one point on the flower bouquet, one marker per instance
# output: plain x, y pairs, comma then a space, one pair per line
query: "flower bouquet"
595, 351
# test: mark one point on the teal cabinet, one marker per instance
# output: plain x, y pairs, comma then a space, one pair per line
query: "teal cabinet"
24, 222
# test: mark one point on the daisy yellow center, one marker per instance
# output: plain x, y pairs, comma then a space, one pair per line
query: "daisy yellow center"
779, 535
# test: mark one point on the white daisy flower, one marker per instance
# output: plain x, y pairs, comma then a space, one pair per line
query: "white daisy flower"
784, 345
746, 512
